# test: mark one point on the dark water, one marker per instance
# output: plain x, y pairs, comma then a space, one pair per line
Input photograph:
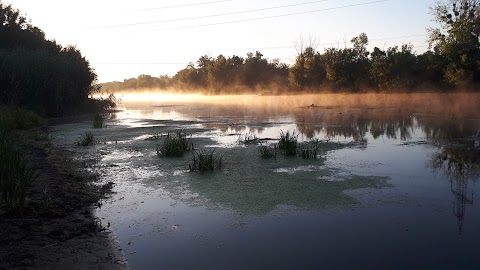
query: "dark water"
397, 191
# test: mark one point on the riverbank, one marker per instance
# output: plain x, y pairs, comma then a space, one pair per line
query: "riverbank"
57, 229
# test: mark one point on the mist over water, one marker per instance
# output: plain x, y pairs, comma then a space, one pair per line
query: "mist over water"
394, 188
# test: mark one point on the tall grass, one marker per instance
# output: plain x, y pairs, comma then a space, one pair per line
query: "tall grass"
266, 151
98, 121
86, 140
248, 138
312, 149
15, 174
288, 142
205, 161
175, 145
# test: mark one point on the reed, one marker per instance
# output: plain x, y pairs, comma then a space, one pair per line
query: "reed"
86, 140
288, 142
15, 174
205, 161
175, 145
267, 151
98, 121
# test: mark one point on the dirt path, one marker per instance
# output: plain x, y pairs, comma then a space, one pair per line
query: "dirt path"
57, 230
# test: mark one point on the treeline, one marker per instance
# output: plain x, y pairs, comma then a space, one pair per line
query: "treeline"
40, 74
452, 62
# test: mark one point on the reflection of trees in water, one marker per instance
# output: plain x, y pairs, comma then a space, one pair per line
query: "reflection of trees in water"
357, 125
461, 164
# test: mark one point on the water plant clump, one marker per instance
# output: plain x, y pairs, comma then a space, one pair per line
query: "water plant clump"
15, 174
311, 149
205, 161
267, 151
248, 138
86, 140
288, 142
98, 121
175, 145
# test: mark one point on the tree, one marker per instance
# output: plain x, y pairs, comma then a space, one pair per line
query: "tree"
457, 39
349, 67
40, 74
308, 70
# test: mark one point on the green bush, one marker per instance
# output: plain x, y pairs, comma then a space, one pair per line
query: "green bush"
18, 118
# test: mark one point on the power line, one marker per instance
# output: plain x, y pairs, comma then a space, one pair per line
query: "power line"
271, 17
209, 16
185, 5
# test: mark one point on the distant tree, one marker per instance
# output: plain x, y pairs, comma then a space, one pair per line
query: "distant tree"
308, 70
349, 68
395, 69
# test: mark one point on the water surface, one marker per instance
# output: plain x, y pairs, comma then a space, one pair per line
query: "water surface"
394, 186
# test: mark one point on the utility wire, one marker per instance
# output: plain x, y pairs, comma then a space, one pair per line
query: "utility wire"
260, 48
185, 5
271, 17
209, 16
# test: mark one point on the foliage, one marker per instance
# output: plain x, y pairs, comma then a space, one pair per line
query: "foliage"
15, 174
86, 140
18, 118
175, 145
457, 39
39, 74
205, 161
288, 142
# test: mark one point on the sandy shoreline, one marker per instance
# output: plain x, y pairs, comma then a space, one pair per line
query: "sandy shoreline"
57, 230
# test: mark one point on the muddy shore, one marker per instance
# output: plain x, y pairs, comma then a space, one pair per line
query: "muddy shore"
57, 229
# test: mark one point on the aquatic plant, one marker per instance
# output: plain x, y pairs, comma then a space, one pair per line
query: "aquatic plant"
288, 142
205, 161
98, 121
15, 174
248, 138
175, 145
311, 149
86, 140
266, 151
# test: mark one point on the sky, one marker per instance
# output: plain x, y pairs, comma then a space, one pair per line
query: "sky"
124, 38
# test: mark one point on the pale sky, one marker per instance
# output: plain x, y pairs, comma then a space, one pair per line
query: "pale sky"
124, 38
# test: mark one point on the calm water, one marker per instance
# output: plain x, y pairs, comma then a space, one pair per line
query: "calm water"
398, 190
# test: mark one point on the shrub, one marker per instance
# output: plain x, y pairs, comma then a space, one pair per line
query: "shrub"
17, 118
288, 142
175, 145
205, 161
